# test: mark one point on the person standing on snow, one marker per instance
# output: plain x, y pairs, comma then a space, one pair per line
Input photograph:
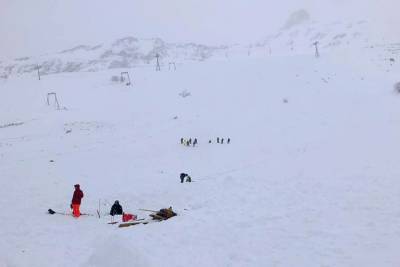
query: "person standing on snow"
116, 209
76, 201
182, 176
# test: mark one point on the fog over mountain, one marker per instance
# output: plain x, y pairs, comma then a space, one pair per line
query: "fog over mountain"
296, 35
47, 26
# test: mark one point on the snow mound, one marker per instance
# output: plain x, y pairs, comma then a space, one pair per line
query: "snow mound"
296, 18
113, 252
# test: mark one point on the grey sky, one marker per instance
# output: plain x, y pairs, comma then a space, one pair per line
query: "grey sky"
31, 27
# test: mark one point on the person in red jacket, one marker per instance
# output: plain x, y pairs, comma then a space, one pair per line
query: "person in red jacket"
76, 201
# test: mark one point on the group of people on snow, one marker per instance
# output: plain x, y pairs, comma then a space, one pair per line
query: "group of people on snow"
185, 176
189, 142
221, 141
116, 208
76, 201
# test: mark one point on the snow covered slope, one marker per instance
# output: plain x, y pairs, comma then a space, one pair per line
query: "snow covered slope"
309, 179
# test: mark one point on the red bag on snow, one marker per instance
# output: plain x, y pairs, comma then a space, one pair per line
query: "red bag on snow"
128, 217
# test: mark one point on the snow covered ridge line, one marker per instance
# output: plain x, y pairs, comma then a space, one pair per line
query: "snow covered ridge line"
126, 52
300, 32
297, 36
11, 124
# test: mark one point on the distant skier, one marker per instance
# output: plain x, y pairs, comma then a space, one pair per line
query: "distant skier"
185, 175
195, 142
181, 140
218, 140
116, 209
182, 177
76, 201
222, 140
229, 141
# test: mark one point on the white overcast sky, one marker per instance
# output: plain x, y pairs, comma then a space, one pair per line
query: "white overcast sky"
32, 27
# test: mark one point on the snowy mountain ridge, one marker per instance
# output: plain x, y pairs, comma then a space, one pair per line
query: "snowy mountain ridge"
300, 33
296, 36
300, 37
126, 52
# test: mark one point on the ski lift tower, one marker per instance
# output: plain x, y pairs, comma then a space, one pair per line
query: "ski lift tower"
38, 70
316, 49
171, 64
158, 68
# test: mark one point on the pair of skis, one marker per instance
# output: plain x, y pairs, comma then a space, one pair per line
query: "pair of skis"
155, 218
50, 211
135, 222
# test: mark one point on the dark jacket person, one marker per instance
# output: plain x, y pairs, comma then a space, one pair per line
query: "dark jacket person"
116, 209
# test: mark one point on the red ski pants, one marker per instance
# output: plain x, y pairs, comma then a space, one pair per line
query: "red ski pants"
75, 210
